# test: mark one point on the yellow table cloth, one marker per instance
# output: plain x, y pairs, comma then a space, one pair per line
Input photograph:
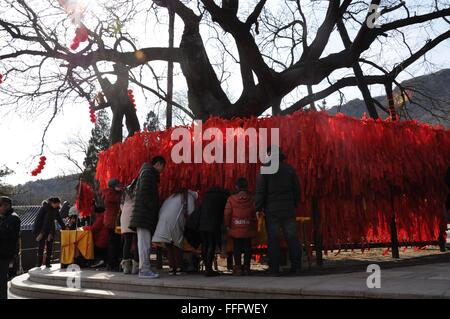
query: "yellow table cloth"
74, 243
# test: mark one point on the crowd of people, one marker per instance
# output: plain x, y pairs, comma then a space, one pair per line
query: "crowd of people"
182, 218
179, 219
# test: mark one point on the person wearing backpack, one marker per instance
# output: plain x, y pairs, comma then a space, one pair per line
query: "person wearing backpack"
130, 261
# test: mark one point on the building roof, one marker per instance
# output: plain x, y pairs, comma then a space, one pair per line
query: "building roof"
27, 216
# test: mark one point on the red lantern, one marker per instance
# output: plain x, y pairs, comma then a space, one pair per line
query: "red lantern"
131, 97
81, 34
92, 112
40, 166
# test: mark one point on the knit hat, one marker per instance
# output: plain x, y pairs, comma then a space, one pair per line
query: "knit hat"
6, 200
113, 182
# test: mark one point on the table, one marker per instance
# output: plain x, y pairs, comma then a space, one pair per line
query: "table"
75, 243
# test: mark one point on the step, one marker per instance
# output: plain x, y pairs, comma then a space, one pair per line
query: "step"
408, 282
23, 287
13, 296
194, 286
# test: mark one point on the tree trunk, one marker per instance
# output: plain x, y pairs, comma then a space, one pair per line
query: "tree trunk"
390, 97
361, 82
205, 94
170, 70
119, 101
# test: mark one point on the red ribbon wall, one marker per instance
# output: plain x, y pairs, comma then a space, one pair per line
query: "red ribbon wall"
362, 172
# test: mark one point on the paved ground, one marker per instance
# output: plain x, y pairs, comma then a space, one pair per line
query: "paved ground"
424, 281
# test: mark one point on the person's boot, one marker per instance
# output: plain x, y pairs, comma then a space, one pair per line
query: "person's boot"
246, 270
39, 260
125, 264
99, 264
237, 270
211, 273
134, 267
47, 262
230, 262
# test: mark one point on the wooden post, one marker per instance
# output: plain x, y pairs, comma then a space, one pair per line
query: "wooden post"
442, 231
318, 244
394, 238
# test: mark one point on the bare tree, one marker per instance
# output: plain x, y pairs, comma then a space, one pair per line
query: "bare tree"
75, 147
276, 54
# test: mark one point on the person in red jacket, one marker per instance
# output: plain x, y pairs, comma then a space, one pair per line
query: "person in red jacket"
100, 234
240, 220
112, 197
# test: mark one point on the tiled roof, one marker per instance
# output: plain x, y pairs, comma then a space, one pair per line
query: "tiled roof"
27, 216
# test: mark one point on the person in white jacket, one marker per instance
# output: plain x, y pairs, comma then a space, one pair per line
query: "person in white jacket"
171, 223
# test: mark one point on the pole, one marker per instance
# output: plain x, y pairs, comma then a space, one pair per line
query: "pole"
394, 238
317, 233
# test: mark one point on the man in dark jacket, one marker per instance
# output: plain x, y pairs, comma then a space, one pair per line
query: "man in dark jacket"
9, 236
277, 195
44, 229
145, 212
210, 225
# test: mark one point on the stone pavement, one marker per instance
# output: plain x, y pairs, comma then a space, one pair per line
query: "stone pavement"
424, 281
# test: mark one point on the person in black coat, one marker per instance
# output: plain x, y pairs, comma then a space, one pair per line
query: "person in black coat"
146, 211
277, 196
44, 229
9, 237
210, 225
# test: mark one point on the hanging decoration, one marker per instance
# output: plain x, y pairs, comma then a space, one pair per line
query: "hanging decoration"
92, 113
131, 97
81, 35
40, 167
76, 10
85, 199
363, 172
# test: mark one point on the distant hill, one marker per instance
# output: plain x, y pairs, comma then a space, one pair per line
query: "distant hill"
431, 91
33, 193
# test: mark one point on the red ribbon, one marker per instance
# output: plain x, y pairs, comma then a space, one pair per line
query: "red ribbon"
362, 172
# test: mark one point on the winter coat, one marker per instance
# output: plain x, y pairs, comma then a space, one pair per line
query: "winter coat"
45, 220
278, 194
125, 215
9, 234
172, 219
213, 205
240, 215
111, 198
146, 200
99, 231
